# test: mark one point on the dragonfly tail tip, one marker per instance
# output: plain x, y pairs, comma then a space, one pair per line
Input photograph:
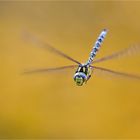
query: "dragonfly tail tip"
105, 29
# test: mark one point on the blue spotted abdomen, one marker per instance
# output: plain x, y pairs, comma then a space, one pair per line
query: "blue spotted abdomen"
96, 47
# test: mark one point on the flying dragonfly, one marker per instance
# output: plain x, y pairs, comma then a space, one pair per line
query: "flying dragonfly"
85, 70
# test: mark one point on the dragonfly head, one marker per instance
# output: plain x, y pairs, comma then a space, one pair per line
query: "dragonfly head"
80, 78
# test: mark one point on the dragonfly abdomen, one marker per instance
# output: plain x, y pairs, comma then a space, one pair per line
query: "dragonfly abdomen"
97, 46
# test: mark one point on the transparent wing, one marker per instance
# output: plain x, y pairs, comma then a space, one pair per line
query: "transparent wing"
128, 51
116, 73
44, 70
47, 46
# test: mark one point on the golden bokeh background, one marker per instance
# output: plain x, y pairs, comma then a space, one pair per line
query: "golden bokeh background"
50, 105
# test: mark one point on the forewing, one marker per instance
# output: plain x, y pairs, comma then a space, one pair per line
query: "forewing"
47, 46
128, 51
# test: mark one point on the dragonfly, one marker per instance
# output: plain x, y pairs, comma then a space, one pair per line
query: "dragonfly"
85, 70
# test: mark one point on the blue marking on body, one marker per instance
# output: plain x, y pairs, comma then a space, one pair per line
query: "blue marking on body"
96, 47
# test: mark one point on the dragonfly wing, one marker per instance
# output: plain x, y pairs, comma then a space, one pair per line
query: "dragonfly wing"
127, 51
44, 70
47, 46
116, 73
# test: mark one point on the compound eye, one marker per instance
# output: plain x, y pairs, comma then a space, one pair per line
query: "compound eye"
79, 80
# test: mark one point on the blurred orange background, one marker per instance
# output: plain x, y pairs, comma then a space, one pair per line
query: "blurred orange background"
50, 105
